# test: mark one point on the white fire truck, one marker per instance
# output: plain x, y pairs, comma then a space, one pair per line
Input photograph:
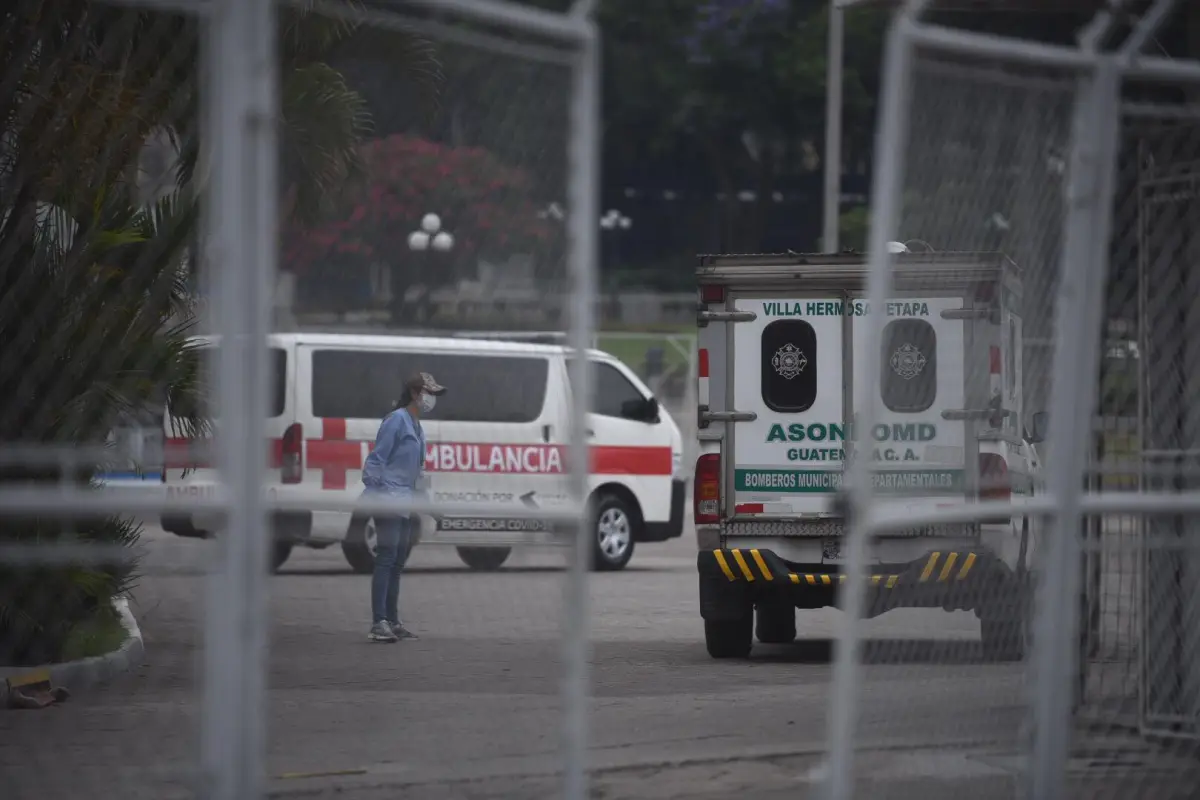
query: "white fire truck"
778, 338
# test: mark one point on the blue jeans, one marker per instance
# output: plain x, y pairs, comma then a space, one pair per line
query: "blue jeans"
394, 535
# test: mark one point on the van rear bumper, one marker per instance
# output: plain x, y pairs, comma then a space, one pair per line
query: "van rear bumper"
954, 580
673, 527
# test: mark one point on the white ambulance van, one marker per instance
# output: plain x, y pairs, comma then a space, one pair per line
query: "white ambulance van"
778, 338
497, 437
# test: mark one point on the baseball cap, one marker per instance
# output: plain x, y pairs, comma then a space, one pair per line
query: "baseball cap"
423, 382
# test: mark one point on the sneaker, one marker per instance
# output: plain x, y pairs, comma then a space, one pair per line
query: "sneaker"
401, 632
381, 632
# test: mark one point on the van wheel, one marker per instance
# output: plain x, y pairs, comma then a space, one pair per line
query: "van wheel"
729, 638
613, 526
279, 554
776, 623
359, 545
484, 559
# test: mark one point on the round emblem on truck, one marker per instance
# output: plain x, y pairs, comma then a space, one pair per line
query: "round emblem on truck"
789, 361
908, 361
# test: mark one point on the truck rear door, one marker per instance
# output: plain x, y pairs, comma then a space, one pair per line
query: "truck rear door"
915, 449
788, 370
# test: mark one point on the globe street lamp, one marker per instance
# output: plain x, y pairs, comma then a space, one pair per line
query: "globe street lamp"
615, 220
428, 238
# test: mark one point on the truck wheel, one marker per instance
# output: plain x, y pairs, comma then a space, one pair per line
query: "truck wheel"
1003, 639
279, 554
729, 638
1005, 631
613, 528
484, 559
776, 623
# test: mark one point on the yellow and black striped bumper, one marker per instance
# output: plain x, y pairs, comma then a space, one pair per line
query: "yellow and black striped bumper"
763, 568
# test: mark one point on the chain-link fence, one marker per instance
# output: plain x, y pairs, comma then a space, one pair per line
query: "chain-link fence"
168, 169
1082, 307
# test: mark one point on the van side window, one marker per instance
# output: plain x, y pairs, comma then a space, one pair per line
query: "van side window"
611, 390
277, 391
365, 384
789, 366
909, 366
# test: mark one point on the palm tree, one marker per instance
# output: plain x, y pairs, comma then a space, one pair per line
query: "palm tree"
95, 312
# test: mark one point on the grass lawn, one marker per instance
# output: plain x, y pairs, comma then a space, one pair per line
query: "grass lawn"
101, 634
631, 347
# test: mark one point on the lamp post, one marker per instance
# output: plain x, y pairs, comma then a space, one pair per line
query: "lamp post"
430, 237
831, 206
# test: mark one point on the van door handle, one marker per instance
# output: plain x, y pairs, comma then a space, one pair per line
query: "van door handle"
546, 434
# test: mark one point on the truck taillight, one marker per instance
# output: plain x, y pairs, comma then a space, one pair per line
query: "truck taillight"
994, 483
291, 465
712, 293
706, 489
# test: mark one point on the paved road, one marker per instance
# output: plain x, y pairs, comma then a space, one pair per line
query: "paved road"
471, 710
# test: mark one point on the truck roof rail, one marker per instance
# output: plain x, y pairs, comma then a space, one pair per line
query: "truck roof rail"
840, 271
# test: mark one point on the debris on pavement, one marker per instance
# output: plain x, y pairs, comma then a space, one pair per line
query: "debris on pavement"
33, 690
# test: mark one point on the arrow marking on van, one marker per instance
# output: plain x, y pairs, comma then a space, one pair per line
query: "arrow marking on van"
528, 500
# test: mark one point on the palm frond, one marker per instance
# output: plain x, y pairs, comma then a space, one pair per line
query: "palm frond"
324, 123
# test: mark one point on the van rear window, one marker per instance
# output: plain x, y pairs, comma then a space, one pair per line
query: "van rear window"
789, 366
365, 384
909, 366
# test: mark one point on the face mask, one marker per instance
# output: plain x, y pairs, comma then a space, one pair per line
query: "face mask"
428, 401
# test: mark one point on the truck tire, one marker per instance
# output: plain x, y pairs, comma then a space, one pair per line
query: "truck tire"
279, 553
1003, 639
484, 559
775, 623
1005, 631
729, 638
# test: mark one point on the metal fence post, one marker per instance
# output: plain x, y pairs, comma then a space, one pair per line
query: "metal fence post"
890, 142
241, 242
1079, 315
583, 180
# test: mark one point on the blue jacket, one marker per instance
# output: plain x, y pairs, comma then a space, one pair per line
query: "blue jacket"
396, 463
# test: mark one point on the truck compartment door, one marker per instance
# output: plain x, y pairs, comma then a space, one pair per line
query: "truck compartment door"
788, 369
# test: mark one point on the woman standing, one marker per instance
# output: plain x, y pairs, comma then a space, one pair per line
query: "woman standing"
393, 470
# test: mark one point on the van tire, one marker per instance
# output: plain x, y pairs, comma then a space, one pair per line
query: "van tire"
729, 638
775, 623
484, 559
280, 551
359, 557
614, 524
357, 549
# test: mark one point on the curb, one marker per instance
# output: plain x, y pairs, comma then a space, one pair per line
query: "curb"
86, 672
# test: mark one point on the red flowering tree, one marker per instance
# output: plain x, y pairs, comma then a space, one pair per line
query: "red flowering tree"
487, 206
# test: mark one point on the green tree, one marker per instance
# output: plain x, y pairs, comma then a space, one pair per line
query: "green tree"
95, 314
740, 87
